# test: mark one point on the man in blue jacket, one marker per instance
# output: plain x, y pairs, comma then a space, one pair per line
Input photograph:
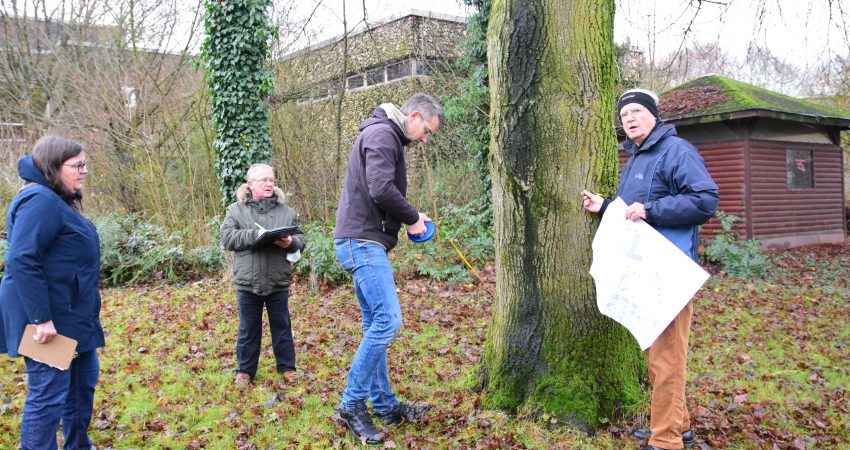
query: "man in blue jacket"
371, 210
665, 183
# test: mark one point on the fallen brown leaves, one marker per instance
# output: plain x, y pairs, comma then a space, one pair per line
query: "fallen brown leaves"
767, 368
768, 356
690, 100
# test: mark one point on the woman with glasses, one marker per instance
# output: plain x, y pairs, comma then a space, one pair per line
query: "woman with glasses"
261, 275
51, 281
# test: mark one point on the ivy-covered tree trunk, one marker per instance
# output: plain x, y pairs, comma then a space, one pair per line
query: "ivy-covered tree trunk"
549, 350
236, 53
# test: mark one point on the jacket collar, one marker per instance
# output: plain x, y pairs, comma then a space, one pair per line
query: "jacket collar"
395, 115
379, 115
243, 194
660, 131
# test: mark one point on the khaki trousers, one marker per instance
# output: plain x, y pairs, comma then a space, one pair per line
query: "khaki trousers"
666, 360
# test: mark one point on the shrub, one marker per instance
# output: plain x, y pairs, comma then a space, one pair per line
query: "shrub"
10, 185
3, 247
135, 251
739, 259
430, 259
470, 227
319, 257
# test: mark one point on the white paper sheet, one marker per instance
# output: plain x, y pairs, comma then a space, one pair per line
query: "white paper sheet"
642, 280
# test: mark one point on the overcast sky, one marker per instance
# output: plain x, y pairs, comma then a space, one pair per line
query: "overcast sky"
800, 32
796, 30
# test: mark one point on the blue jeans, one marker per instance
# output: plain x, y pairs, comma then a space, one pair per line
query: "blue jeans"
59, 394
248, 343
374, 287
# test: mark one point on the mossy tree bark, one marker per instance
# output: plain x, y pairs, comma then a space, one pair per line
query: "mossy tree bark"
549, 350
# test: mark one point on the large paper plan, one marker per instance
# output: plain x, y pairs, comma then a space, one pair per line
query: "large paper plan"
642, 280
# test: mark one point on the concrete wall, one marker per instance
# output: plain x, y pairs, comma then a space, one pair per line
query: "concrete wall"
310, 101
412, 36
416, 38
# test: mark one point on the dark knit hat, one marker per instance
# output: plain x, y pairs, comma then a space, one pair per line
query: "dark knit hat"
641, 97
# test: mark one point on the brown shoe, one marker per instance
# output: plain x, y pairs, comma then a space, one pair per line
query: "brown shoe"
289, 376
243, 380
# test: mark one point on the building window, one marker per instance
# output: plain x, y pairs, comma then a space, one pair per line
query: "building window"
398, 70
384, 74
327, 89
321, 91
318, 92
375, 76
334, 87
12, 132
799, 169
354, 82
427, 67
130, 98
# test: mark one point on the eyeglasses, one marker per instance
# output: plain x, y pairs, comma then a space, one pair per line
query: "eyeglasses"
633, 112
264, 180
428, 131
81, 167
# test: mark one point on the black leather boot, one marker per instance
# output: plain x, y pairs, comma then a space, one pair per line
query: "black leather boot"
359, 421
403, 412
687, 436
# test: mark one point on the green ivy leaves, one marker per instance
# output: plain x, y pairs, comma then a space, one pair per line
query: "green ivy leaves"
235, 53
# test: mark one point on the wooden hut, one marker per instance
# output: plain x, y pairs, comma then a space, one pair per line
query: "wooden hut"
776, 159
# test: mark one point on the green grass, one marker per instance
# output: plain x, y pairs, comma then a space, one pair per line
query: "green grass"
767, 368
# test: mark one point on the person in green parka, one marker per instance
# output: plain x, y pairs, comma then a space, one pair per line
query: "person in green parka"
262, 275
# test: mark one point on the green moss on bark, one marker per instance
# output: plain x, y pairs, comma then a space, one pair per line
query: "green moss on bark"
549, 350
595, 382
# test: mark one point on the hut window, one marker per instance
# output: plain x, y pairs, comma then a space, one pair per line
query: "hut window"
798, 165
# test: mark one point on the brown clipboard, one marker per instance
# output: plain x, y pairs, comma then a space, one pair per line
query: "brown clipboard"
57, 353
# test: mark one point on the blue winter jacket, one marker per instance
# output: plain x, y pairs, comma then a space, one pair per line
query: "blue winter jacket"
668, 175
52, 267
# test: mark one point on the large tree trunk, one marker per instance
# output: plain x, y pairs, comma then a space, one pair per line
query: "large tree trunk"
549, 350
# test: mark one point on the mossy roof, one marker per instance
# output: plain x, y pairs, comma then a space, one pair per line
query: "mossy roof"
714, 98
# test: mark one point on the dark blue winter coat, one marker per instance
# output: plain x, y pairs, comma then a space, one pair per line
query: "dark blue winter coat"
52, 267
667, 174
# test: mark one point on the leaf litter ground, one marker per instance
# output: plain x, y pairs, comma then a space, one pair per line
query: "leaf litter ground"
767, 369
